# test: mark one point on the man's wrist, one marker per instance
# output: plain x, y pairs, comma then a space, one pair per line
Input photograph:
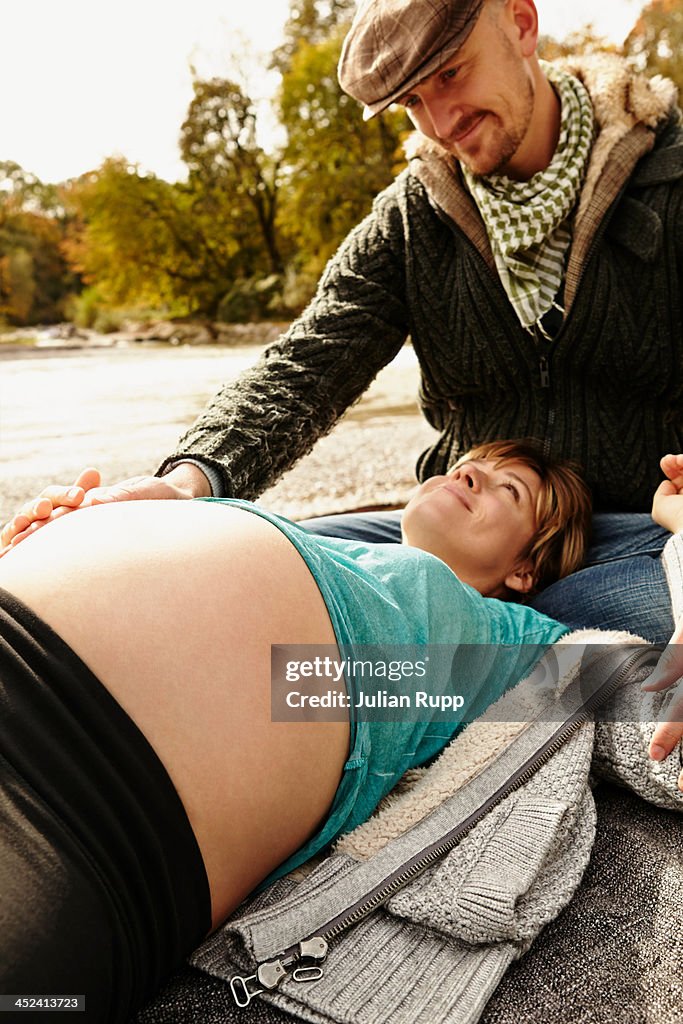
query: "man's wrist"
192, 476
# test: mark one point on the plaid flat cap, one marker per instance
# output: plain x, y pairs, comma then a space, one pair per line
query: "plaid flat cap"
394, 44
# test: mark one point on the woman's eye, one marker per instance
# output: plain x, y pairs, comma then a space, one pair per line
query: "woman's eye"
410, 101
449, 73
511, 487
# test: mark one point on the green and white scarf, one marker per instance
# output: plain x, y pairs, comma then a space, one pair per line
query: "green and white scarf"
527, 221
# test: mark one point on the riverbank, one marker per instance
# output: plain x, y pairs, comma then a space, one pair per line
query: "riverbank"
69, 337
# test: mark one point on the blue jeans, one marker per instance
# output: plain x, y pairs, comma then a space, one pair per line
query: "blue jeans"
622, 586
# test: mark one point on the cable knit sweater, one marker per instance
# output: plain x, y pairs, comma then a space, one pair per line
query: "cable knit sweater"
608, 391
436, 950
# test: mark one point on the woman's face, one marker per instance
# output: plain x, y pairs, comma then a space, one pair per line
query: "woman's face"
479, 520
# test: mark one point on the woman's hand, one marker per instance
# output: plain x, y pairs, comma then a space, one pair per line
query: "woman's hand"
52, 502
667, 504
669, 671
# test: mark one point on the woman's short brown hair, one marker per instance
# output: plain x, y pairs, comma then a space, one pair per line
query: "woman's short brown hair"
563, 509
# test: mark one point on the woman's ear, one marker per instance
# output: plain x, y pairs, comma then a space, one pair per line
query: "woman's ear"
521, 579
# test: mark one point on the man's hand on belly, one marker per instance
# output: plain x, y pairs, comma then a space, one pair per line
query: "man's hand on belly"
183, 482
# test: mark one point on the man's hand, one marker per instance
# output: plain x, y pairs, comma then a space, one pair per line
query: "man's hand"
667, 505
184, 481
669, 671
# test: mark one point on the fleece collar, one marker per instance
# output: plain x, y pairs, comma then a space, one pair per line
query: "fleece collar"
624, 103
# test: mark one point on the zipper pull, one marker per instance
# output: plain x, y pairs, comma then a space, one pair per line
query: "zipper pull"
314, 949
270, 973
545, 372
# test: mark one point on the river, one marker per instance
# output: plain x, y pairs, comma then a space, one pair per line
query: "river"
122, 409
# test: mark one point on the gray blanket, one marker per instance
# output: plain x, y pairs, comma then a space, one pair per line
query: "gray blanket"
614, 954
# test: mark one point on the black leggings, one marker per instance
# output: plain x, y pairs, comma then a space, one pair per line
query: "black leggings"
102, 886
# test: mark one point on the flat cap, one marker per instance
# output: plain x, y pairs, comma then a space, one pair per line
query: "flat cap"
394, 44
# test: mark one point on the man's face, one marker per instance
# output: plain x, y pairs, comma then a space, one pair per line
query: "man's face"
479, 519
479, 105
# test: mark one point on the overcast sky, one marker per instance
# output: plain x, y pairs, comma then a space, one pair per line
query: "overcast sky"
82, 79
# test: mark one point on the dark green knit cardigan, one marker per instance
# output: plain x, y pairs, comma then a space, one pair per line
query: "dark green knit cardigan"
606, 392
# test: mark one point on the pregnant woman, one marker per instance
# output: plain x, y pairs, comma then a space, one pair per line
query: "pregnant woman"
145, 789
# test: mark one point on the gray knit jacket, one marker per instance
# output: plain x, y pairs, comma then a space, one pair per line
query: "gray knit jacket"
437, 949
608, 390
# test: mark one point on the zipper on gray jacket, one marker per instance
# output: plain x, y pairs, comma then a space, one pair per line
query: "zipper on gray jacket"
302, 961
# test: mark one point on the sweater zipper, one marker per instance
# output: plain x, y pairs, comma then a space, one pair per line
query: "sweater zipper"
542, 343
302, 960
544, 373
544, 361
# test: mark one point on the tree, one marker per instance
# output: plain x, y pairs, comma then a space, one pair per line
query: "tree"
232, 178
135, 238
312, 22
25, 191
655, 44
583, 41
336, 162
139, 240
34, 278
17, 285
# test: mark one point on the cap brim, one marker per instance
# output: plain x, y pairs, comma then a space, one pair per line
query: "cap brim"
429, 67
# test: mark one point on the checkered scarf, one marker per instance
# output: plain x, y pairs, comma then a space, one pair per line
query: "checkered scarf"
527, 221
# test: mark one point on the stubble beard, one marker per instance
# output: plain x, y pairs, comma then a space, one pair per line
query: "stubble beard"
502, 143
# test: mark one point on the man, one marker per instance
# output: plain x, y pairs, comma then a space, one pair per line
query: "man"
531, 249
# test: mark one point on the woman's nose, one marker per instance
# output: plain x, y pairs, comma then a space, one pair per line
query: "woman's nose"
470, 477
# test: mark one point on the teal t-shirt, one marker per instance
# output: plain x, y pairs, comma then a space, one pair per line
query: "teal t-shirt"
394, 597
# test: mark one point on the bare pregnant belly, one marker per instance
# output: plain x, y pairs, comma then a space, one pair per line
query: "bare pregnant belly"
174, 607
